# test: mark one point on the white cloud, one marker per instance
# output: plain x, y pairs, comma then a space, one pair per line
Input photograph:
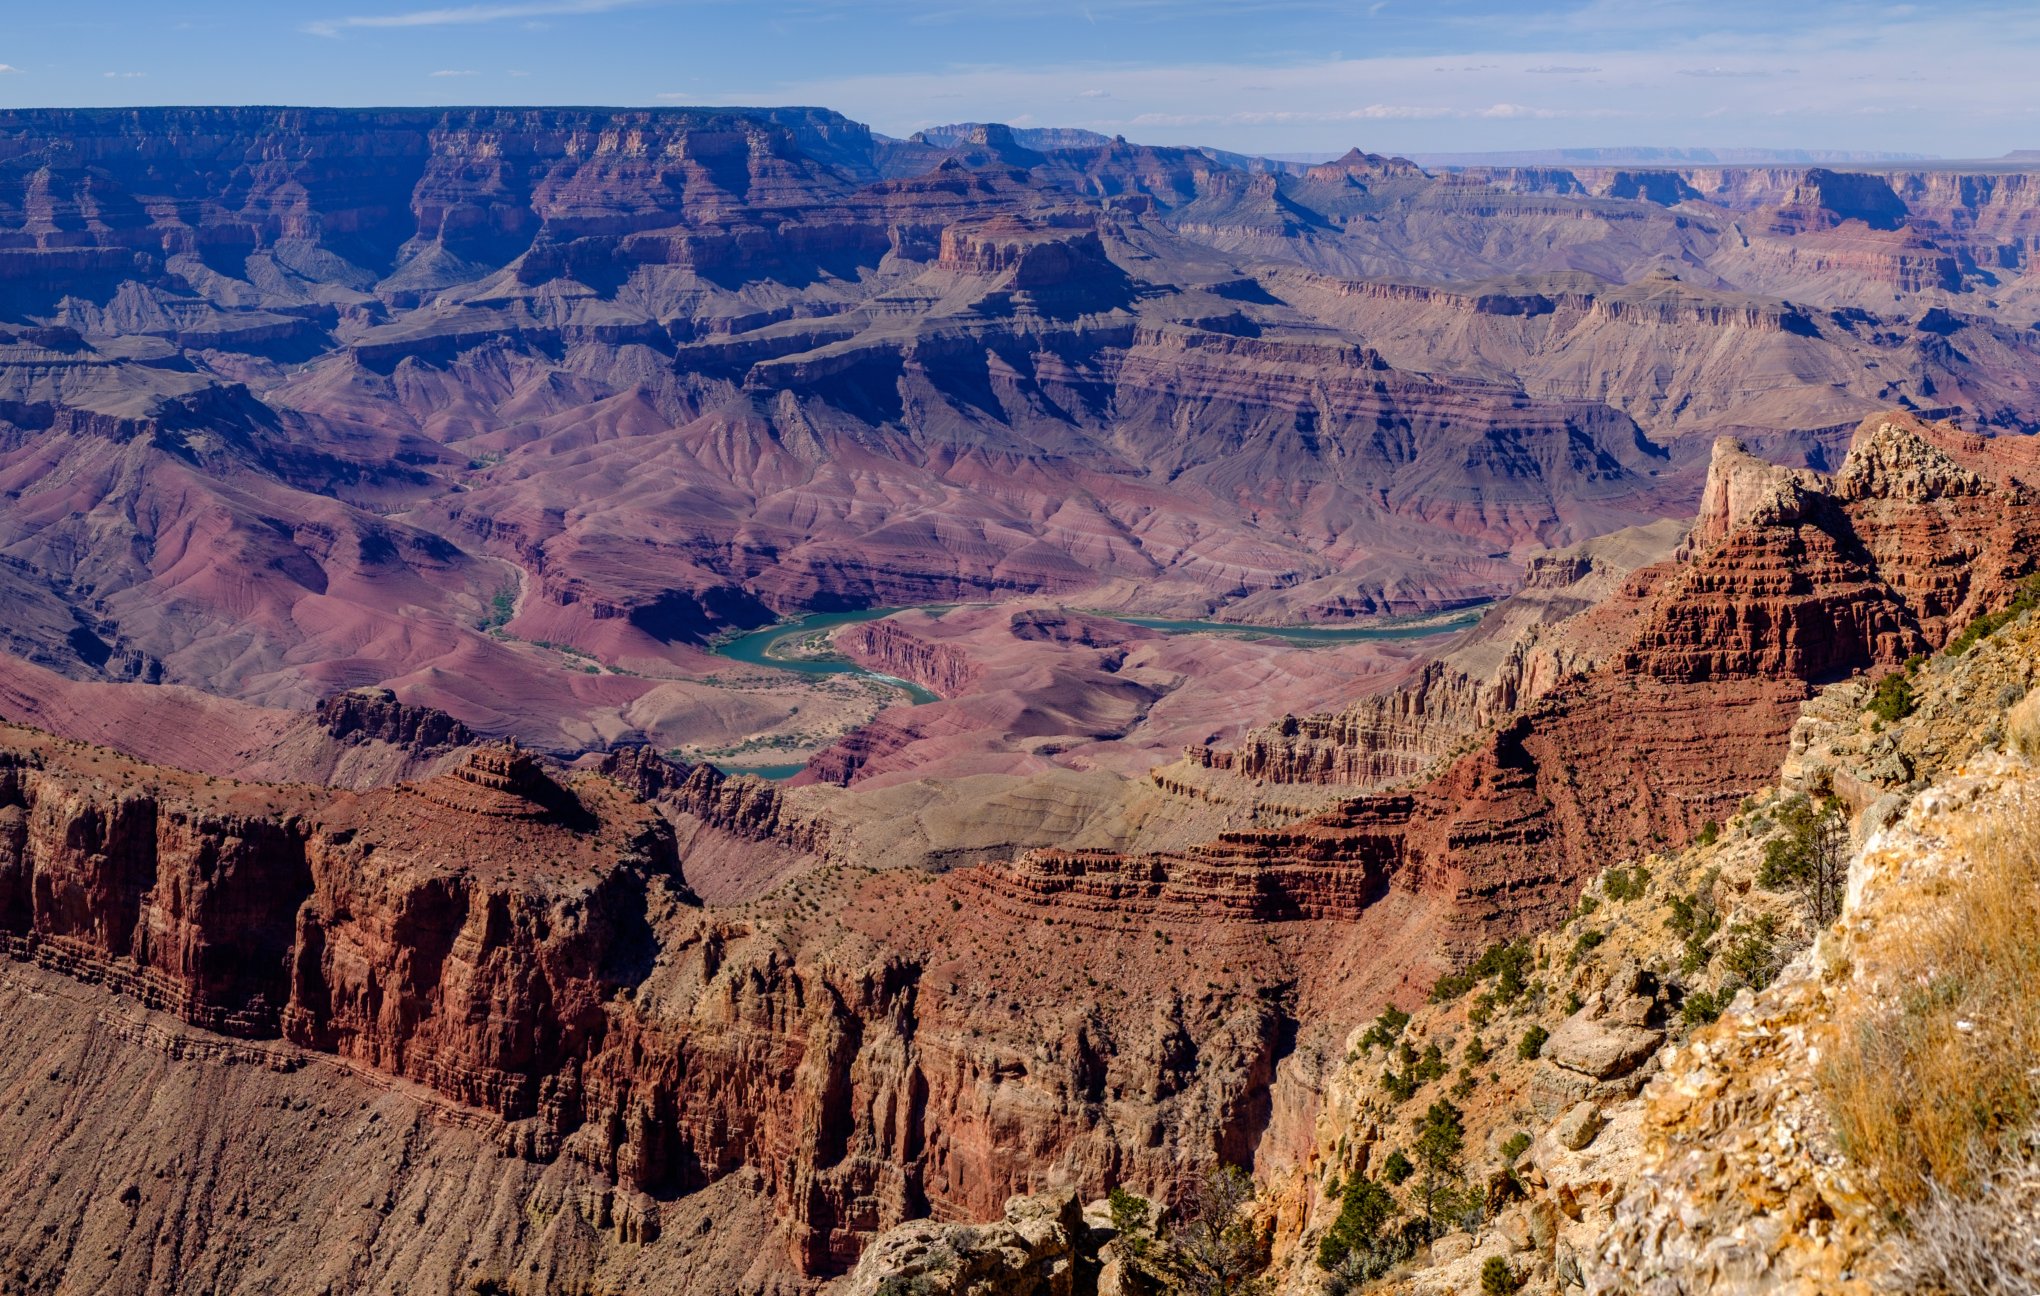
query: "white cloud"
125, 76
459, 15
1580, 80
1094, 94
1370, 113
1715, 72
455, 72
5, 68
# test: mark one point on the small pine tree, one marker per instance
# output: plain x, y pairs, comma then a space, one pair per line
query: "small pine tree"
1440, 1139
1811, 857
1364, 1209
1497, 1279
1132, 1217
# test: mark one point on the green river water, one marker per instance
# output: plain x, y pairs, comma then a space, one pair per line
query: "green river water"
756, 648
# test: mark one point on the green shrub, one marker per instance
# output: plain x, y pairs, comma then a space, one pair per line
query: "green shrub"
1509, 982
1702, 1007
1431, 1065
1476, 1052
1588, 940
1132, 1214
1623, 885
1452, 985
1710, 832
1695, 919
1397, 1169
1505, 962
1750, 951
1365, 1207
1497, 1279
1810, 856
1482, 1010
1440, 1138
1892, 700
1387, 1028
1532, 1044
1517, 1144
1360, 1245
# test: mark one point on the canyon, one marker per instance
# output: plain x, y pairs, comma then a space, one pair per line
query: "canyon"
460, 403
516, 949
377, 487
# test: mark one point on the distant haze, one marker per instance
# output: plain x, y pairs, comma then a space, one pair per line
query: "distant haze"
1672, 157
1748, 79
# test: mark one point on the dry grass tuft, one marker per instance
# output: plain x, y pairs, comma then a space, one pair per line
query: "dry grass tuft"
2022, 726
1982, 1244
1930, 1093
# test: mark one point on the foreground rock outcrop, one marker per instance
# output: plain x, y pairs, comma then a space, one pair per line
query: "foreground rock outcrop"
1674, 1097
1037, 1249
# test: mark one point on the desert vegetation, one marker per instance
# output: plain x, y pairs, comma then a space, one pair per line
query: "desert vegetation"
1933, 1089
1383, 1223
1213, 1245
1809, 857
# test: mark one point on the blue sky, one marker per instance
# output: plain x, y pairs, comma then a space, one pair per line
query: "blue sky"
1953, 79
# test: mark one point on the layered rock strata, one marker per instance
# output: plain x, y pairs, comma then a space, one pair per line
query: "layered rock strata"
1785, 575
428, 400
864, 1047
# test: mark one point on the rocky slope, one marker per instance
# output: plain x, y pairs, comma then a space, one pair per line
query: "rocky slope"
1665, 1151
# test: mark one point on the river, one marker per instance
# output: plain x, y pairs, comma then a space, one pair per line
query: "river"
757, 647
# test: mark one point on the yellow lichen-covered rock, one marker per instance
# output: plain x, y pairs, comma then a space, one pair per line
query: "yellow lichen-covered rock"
1743, 1185
1718, 1168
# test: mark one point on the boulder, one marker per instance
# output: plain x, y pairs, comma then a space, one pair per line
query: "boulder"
1601, 1050
1032, 1252
1513, 1228
1579, 1126
1451, 1247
